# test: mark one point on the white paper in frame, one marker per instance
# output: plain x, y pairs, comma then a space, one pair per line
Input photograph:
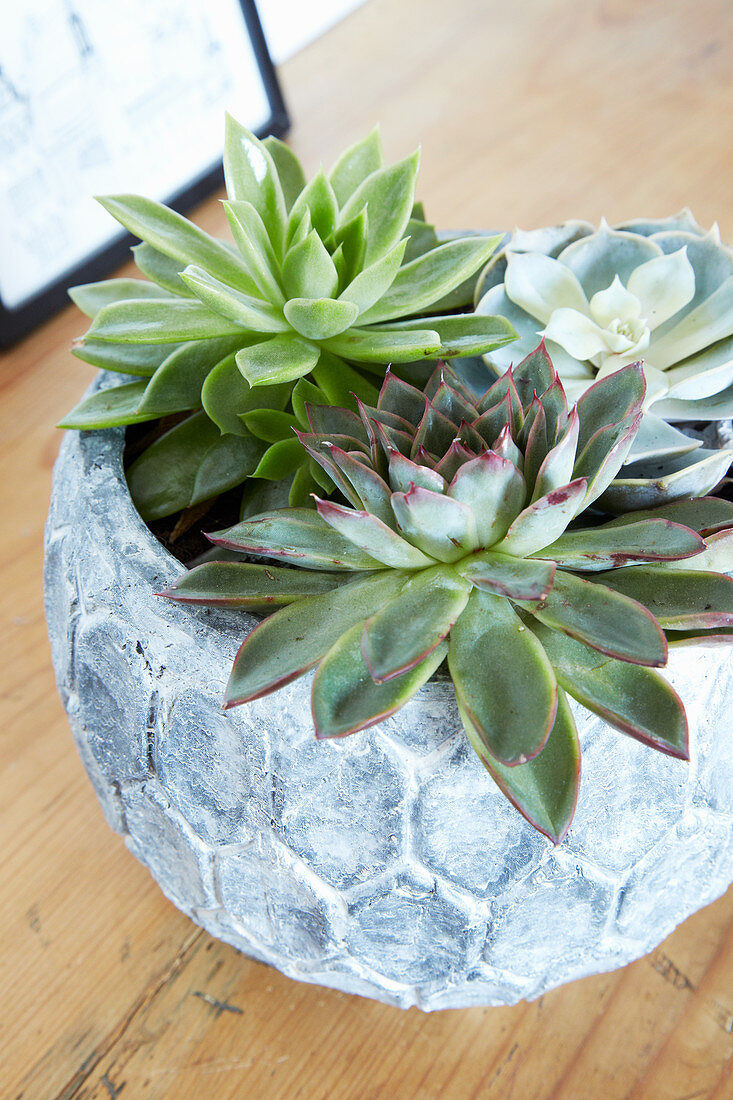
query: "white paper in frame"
97, 98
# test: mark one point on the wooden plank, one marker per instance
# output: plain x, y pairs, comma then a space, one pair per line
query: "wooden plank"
528, 113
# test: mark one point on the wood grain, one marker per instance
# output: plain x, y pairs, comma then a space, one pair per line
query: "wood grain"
528, 113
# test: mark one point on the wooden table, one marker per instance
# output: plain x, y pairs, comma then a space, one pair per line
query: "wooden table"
529, 111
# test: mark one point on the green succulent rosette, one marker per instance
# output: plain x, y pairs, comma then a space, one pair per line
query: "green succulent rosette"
460, 536
655, 290
325, 283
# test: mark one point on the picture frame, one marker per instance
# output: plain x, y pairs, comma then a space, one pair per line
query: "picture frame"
24, 307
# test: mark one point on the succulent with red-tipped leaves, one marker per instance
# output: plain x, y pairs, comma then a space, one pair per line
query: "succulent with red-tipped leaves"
460, 539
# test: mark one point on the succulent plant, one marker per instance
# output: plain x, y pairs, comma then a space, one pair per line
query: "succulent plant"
327, 282
660, 290
459, 540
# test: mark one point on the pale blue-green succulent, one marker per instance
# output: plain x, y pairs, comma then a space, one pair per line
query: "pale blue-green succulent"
653, 290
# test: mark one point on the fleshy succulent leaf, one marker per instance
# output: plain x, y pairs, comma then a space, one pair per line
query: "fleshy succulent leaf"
503, 679
443, 528
289, 169
320, 318
372, 536
621, 628
251, 176
188, 464
545, 788
516, 578
681, 599
427, 278
345, 698
431, 603
637, 700
295, 638
162, 270
162, 321
704, 514
355, 164
388, 195
299, 536
284, 358
242, 584
91, 297
253, 242
108, 408
601, 548
173, 235
542, 522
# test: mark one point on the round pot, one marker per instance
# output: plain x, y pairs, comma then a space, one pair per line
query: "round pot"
388, 863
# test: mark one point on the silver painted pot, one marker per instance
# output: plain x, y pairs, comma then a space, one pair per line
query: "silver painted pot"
385, 864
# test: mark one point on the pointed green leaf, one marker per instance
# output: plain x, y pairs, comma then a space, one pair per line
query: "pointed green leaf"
495, 491
371, 283
503, 679
178, 382
140, 359
298, 535
280, 460
442, 527
637, 700
289, 169
251, 313
270, 425
704, 514
190, 463
308, 270
162, 270
320, 318
601, 548
372, 536
257, 252
352, 168
461, 334
251, 176
621, 628
108, 408
371, 346
680, 599
430, 603
319, 199
388, 195
545, 789
542, 522
241, 584
91, 297
617, 397
177, 237
346, 699
425, 280
351, 241
282, 359
295, 638
161, 321
517, 578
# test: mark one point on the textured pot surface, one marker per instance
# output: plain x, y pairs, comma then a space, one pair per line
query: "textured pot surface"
388, 863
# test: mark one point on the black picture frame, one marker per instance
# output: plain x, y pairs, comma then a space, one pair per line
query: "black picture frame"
19, 322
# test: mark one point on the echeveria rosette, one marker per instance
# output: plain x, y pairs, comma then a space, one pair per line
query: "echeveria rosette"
459, 539
657, 290
327, 282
